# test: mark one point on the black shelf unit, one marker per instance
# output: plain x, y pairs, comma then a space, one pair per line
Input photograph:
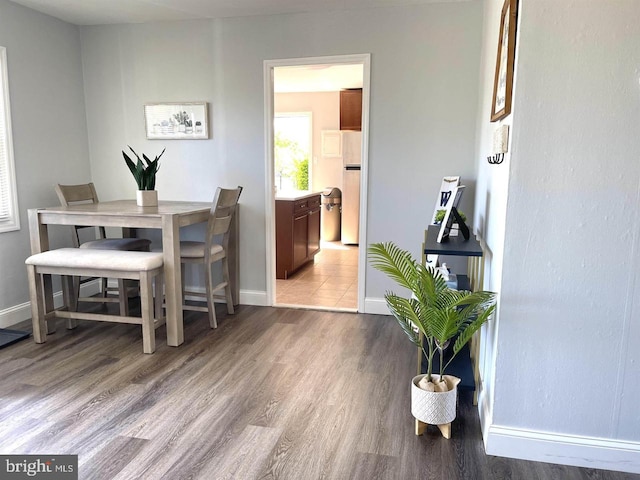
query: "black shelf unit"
455, 246
461, 366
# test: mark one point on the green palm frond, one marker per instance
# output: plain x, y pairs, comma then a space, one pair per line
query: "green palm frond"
395, 262
404, 312
435, 310
444, 324
472, 328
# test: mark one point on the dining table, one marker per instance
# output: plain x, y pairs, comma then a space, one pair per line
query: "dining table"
168, 216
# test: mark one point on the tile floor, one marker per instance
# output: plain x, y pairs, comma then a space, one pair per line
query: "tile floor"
331, 281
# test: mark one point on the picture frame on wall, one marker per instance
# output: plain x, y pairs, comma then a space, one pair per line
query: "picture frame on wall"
176, 121
503, 80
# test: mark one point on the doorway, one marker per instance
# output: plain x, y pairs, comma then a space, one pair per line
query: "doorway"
331, 276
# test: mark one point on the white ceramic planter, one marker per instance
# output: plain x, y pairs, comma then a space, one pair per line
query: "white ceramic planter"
434, 408
147, 198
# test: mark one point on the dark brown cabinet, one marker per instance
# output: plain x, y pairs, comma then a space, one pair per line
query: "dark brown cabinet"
300, 240
314, 231
297, 233
351, 109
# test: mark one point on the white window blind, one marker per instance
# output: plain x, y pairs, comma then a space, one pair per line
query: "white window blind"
9, 218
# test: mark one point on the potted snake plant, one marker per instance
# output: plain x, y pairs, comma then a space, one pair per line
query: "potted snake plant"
446, 319
144, 172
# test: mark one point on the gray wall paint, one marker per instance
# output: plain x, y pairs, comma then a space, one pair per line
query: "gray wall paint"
49, 128
425, 62
563, 259
570, 294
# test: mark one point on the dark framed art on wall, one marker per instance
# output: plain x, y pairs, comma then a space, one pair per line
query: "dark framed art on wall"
503, 80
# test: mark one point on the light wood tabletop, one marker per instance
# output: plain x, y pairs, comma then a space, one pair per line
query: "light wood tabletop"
168, 216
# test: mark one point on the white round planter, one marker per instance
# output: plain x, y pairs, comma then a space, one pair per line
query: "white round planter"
434, 408
147, 198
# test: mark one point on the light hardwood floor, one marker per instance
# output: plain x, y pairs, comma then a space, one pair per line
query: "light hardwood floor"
271, 394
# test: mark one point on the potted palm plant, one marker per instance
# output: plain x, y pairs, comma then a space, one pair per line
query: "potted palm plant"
144, 171
446, 319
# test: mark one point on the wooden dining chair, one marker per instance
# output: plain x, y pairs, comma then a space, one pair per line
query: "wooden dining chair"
86, 193
208, 252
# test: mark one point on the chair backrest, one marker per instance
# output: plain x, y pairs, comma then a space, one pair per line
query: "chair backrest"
221, 215
71, 194
75, 194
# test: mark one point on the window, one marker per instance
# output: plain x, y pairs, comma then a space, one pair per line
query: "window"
9, 218
292, 151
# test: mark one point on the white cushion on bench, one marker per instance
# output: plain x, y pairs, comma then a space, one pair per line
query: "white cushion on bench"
99, 259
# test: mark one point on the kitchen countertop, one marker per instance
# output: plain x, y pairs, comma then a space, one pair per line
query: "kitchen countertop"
294, 195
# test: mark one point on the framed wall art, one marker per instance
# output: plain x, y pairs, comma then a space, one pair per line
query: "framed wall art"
176, 121
503, 80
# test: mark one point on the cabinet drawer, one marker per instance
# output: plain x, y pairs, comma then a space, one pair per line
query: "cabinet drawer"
301, 205
313, 202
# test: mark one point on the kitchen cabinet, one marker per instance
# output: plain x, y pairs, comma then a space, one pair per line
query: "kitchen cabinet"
297, 232
314, 231
351, 109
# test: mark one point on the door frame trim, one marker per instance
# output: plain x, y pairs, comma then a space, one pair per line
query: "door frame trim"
365, 60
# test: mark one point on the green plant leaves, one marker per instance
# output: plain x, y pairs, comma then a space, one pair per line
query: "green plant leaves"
144, 175
435, 310
395, 262
406, 312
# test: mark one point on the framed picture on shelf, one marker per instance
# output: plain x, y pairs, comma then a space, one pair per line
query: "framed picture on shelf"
503, 80
447, 223
447, 188
176, 121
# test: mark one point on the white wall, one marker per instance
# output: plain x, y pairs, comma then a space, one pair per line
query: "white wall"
566, 374
490, 201
423, 106
325, 115
49, 133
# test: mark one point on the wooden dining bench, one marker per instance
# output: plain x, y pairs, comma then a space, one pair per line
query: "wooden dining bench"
70, 262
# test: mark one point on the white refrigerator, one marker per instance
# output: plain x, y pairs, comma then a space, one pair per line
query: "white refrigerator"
351, 161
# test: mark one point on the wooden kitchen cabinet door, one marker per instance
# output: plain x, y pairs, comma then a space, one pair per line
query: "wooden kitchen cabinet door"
300, 239
314, 232
351, 109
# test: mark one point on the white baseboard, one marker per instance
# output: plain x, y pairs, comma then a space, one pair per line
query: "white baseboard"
247, 297
590, 452
16, 314
253, 297
484, 411
376, 306
19, 313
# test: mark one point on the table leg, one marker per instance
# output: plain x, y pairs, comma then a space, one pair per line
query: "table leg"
39, 238
173, 279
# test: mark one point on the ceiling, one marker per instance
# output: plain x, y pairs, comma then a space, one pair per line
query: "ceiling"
101, 12
317, 78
